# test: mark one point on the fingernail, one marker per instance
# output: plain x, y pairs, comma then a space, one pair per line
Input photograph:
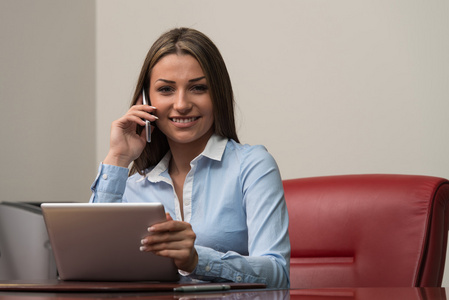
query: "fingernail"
150, 229
142, 241
155, 117
142, 248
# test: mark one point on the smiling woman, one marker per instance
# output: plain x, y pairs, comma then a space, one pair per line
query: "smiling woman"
226, 213
194, 44
179, 90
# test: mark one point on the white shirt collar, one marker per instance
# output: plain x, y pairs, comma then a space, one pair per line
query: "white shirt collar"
215, 147
214, 150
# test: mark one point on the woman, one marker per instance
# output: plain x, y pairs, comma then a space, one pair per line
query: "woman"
230, 221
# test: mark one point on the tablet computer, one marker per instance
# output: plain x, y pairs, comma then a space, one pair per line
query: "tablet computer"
101, 241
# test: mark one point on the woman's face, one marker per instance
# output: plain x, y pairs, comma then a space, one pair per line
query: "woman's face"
180, 93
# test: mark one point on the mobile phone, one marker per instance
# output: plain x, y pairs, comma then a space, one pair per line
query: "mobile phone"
147, 123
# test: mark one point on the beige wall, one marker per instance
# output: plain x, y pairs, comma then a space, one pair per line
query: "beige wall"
47, 100
329, 87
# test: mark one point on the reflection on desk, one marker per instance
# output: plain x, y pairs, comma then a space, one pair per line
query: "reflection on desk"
260, 294
399, 293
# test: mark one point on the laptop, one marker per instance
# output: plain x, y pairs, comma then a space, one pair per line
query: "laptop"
101, 241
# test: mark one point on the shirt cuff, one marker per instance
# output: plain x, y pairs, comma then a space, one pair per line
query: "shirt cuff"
212, 266
110, 180
184, 273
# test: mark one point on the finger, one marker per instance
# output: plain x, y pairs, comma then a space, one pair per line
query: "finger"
184, 260
176, 254
187, 235
128, 120
139, 104
169, 226
142, 108
144, 114
184, 245
165, 237
169, 218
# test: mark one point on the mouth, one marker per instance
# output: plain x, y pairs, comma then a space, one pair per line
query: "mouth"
184, 120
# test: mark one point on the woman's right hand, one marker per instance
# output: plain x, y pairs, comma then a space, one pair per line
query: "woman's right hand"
125, 144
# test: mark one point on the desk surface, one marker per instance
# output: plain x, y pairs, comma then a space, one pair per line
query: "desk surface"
238, 292
59, 286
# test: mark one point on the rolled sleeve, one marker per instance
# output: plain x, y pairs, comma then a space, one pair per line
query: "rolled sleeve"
216, 266
110, 184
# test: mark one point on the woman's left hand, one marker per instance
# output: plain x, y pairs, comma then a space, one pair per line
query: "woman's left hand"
174, 239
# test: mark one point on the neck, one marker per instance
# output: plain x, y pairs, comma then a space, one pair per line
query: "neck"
183, 154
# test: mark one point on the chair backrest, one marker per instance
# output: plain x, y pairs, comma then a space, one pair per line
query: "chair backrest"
367, 230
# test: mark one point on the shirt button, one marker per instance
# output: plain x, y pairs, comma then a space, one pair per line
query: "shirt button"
238, 278
105, 176
207, 268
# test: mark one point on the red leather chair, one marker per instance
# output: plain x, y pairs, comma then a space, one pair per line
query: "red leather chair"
367, 230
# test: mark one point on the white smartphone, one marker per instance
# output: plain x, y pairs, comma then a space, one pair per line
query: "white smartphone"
147, 123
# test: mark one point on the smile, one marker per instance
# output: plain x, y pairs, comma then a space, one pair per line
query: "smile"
184, 120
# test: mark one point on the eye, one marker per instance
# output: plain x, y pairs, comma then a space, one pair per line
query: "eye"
165, 89
199, 88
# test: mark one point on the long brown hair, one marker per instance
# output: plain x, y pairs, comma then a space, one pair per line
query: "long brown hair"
191, 42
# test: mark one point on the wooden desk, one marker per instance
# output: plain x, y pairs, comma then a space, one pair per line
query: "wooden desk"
140, 291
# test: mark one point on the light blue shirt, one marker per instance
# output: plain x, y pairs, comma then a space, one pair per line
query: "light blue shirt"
234, 200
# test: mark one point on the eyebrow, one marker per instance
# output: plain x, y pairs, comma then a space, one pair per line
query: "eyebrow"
172, 82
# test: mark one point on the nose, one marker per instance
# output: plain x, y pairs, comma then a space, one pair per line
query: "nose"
182, 103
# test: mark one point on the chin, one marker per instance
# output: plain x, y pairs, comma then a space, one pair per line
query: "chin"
189, 138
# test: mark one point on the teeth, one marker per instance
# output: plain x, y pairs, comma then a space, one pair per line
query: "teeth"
183, 120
